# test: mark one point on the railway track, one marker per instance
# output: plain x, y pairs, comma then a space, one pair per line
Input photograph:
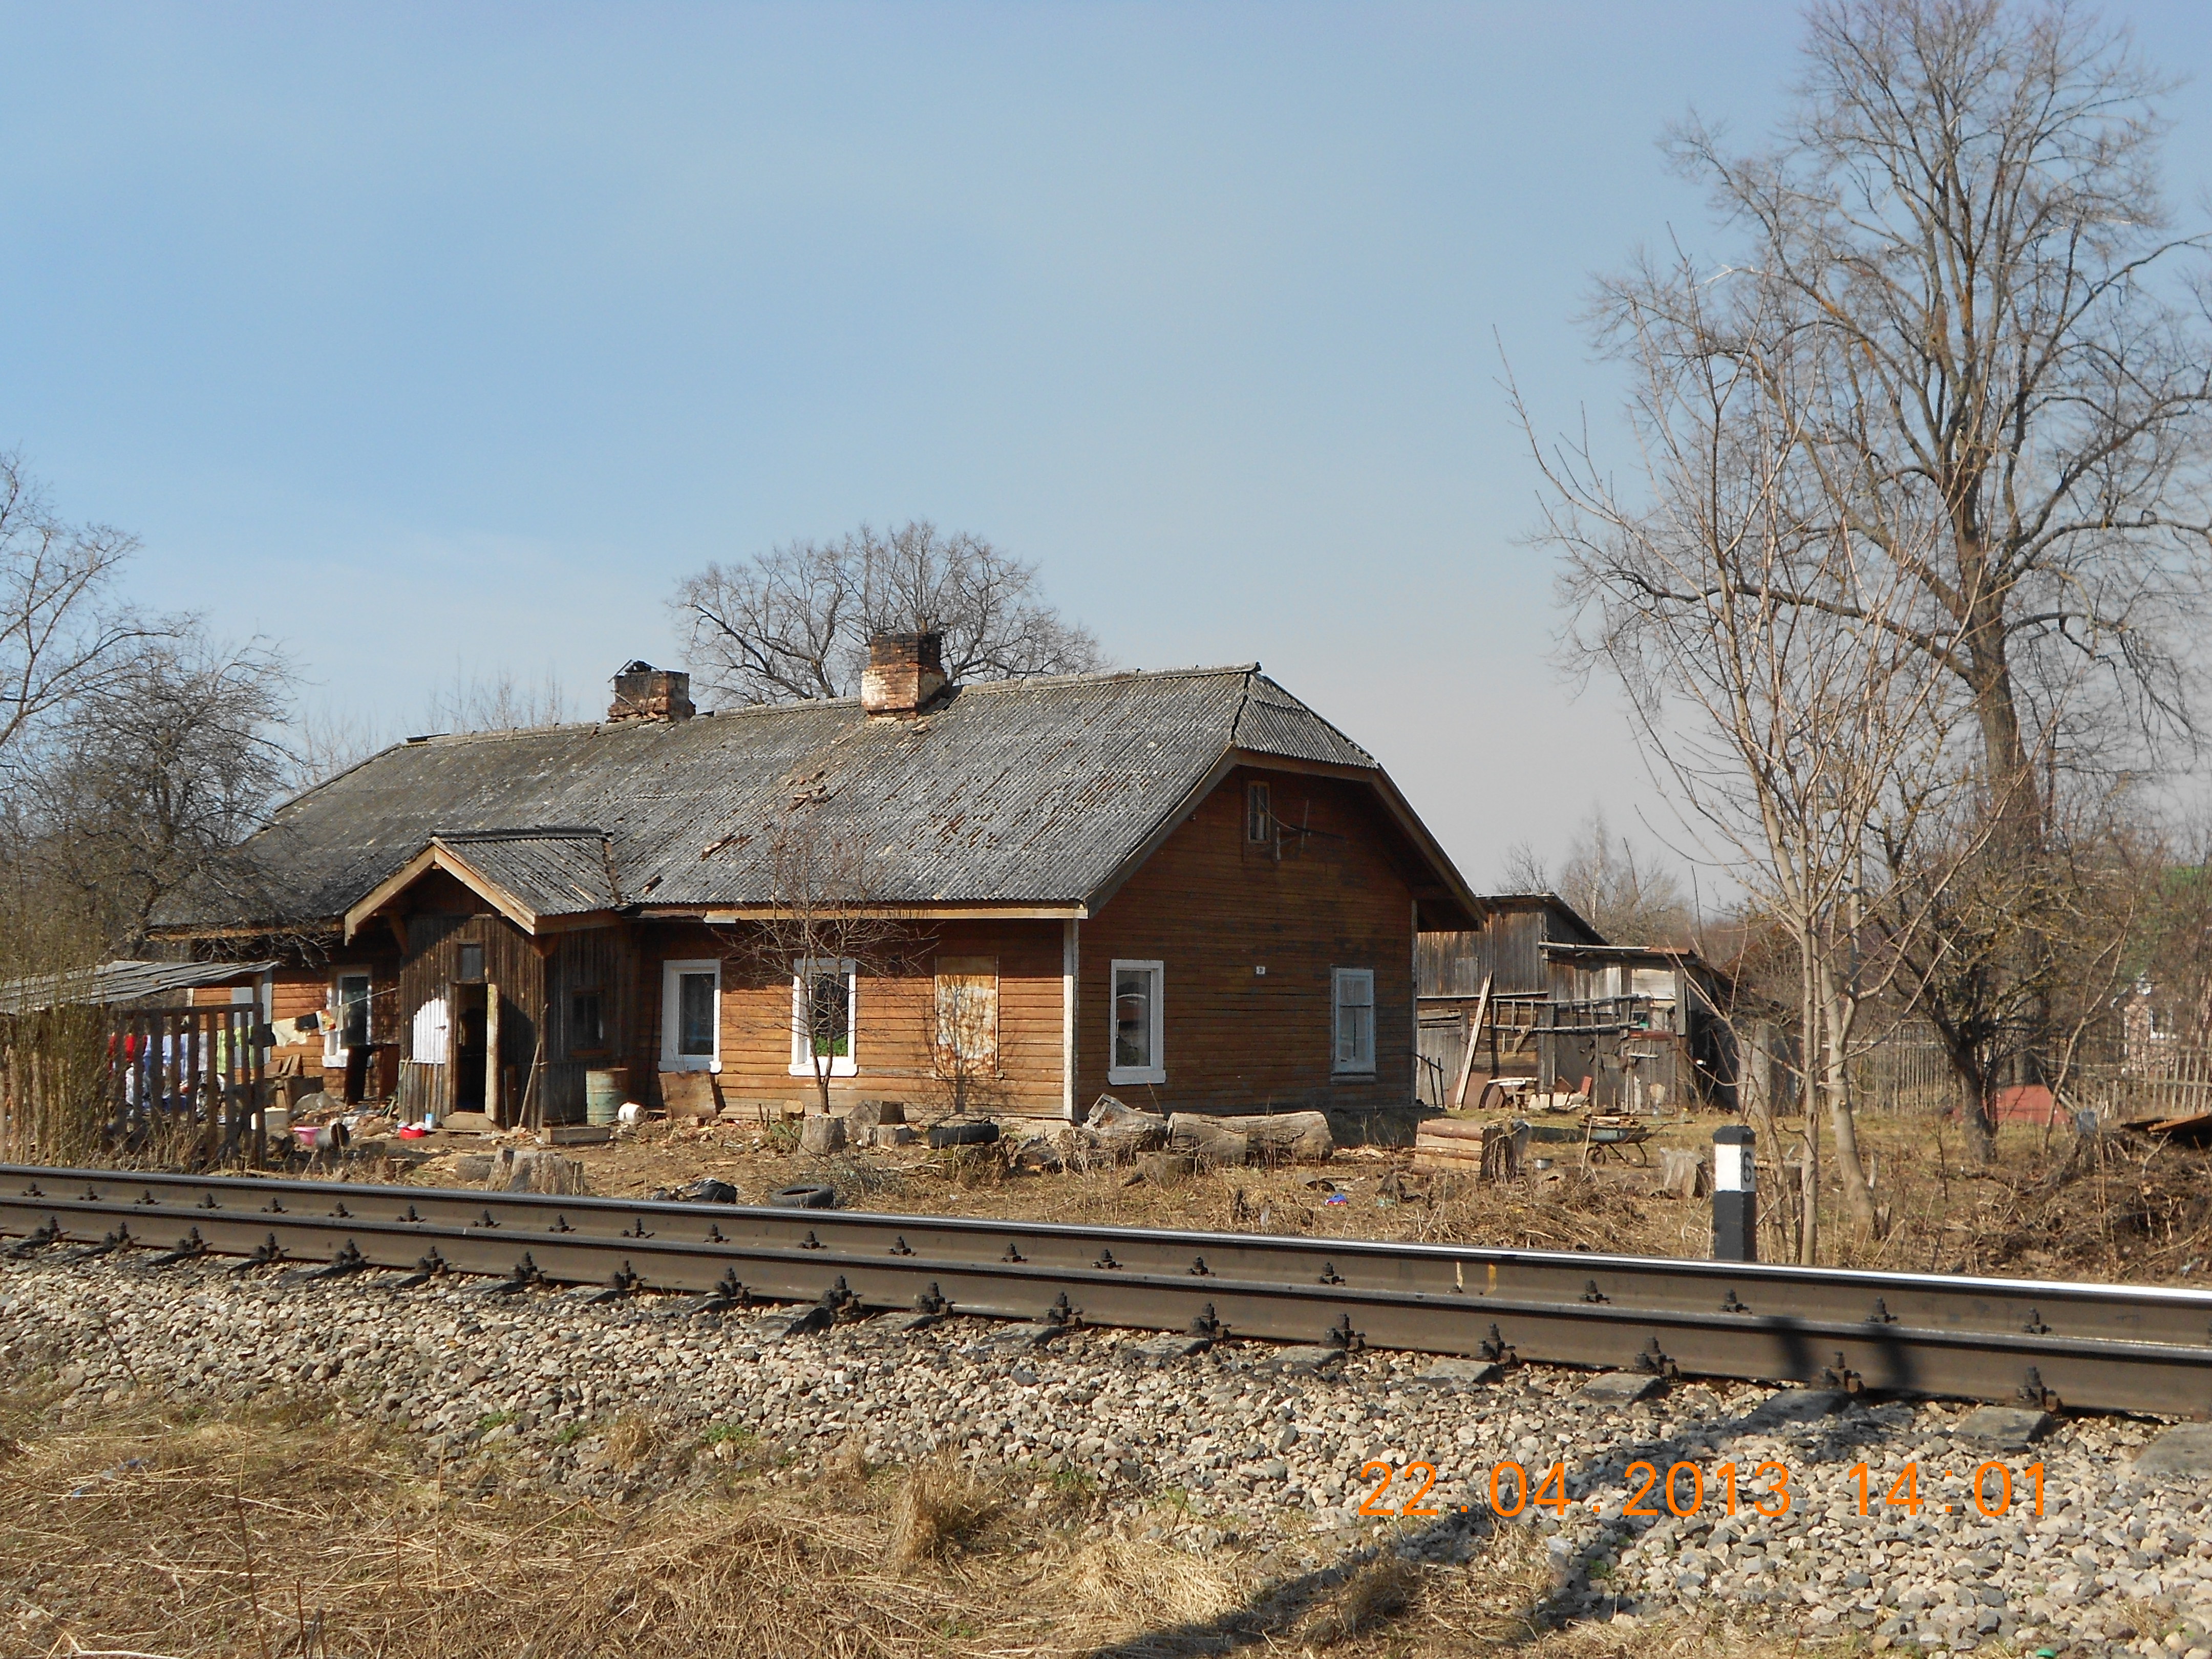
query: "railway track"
2089, 1346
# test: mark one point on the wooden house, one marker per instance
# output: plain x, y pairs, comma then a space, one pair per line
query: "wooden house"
1186, 888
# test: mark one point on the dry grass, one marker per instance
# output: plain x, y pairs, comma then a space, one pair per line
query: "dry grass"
1133, 1586
939, 1505
630, 1442
1372, 1595
289, 1534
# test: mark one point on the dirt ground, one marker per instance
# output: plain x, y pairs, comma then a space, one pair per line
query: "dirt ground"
155, 1529
2121, 1207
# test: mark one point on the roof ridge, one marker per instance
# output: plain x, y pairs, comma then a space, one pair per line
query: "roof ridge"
1197, 671
536, 832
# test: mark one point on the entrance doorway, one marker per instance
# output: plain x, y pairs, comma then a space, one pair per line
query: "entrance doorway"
472, 1028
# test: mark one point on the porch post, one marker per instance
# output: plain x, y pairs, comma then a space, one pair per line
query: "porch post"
1071, 960
492, 1102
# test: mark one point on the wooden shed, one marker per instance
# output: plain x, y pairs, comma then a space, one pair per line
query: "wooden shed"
1490, 984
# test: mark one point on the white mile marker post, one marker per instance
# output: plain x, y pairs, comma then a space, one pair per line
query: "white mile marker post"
1735, 1197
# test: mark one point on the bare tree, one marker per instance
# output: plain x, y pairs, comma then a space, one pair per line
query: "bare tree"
323, 741
1811, 740
823, 932
497, 702
1524, 870
1611, 882
63, 633
146, 786
2000, 390
793, 623
1962, 219
1615, 887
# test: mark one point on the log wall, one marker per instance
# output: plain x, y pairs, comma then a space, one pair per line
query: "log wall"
896, 1016
1325, 893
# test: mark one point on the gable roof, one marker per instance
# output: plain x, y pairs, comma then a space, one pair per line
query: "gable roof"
533, 876
1040, 793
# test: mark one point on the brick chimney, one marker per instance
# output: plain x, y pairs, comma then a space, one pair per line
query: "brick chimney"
904, 672
643, 692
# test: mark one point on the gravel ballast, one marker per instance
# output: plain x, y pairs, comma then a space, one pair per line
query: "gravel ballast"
1227, 1447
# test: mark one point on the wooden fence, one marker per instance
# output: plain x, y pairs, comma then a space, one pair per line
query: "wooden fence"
1907, 1074
187, 1080
2171, 1081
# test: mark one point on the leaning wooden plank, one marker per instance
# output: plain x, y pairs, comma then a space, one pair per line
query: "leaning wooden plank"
1474, 1040
689, 1094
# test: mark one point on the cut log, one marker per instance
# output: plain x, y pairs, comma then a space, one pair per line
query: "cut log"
1123, 1132
1208, 1140
526, 1170
1300, 1136
820, 1134
1448, 1154
1450, 1129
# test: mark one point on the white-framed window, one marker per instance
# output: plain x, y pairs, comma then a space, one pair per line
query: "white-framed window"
1135, 1052
825, 1006
346, 1020
1352, 997
691, 1016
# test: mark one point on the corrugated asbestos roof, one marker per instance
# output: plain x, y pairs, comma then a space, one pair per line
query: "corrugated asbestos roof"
113, 982
1028, 791
556, 872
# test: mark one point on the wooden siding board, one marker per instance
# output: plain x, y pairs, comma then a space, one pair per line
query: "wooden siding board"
895, 1014
1211, 906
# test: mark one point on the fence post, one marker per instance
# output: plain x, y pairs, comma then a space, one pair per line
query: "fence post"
1735, 1197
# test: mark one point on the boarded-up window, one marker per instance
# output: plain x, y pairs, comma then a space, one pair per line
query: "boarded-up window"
968, 1011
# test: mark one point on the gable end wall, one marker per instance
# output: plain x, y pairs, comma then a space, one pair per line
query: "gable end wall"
1211, 907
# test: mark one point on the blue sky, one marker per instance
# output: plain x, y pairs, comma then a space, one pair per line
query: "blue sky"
418, 337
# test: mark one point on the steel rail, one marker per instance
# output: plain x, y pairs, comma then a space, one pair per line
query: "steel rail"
1829, 1295
2043, 1368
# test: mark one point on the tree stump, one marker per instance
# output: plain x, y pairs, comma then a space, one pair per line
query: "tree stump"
1167, 1168
820, 1134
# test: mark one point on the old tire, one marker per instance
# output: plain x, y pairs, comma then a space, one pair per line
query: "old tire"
962, 1135
806, 1196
